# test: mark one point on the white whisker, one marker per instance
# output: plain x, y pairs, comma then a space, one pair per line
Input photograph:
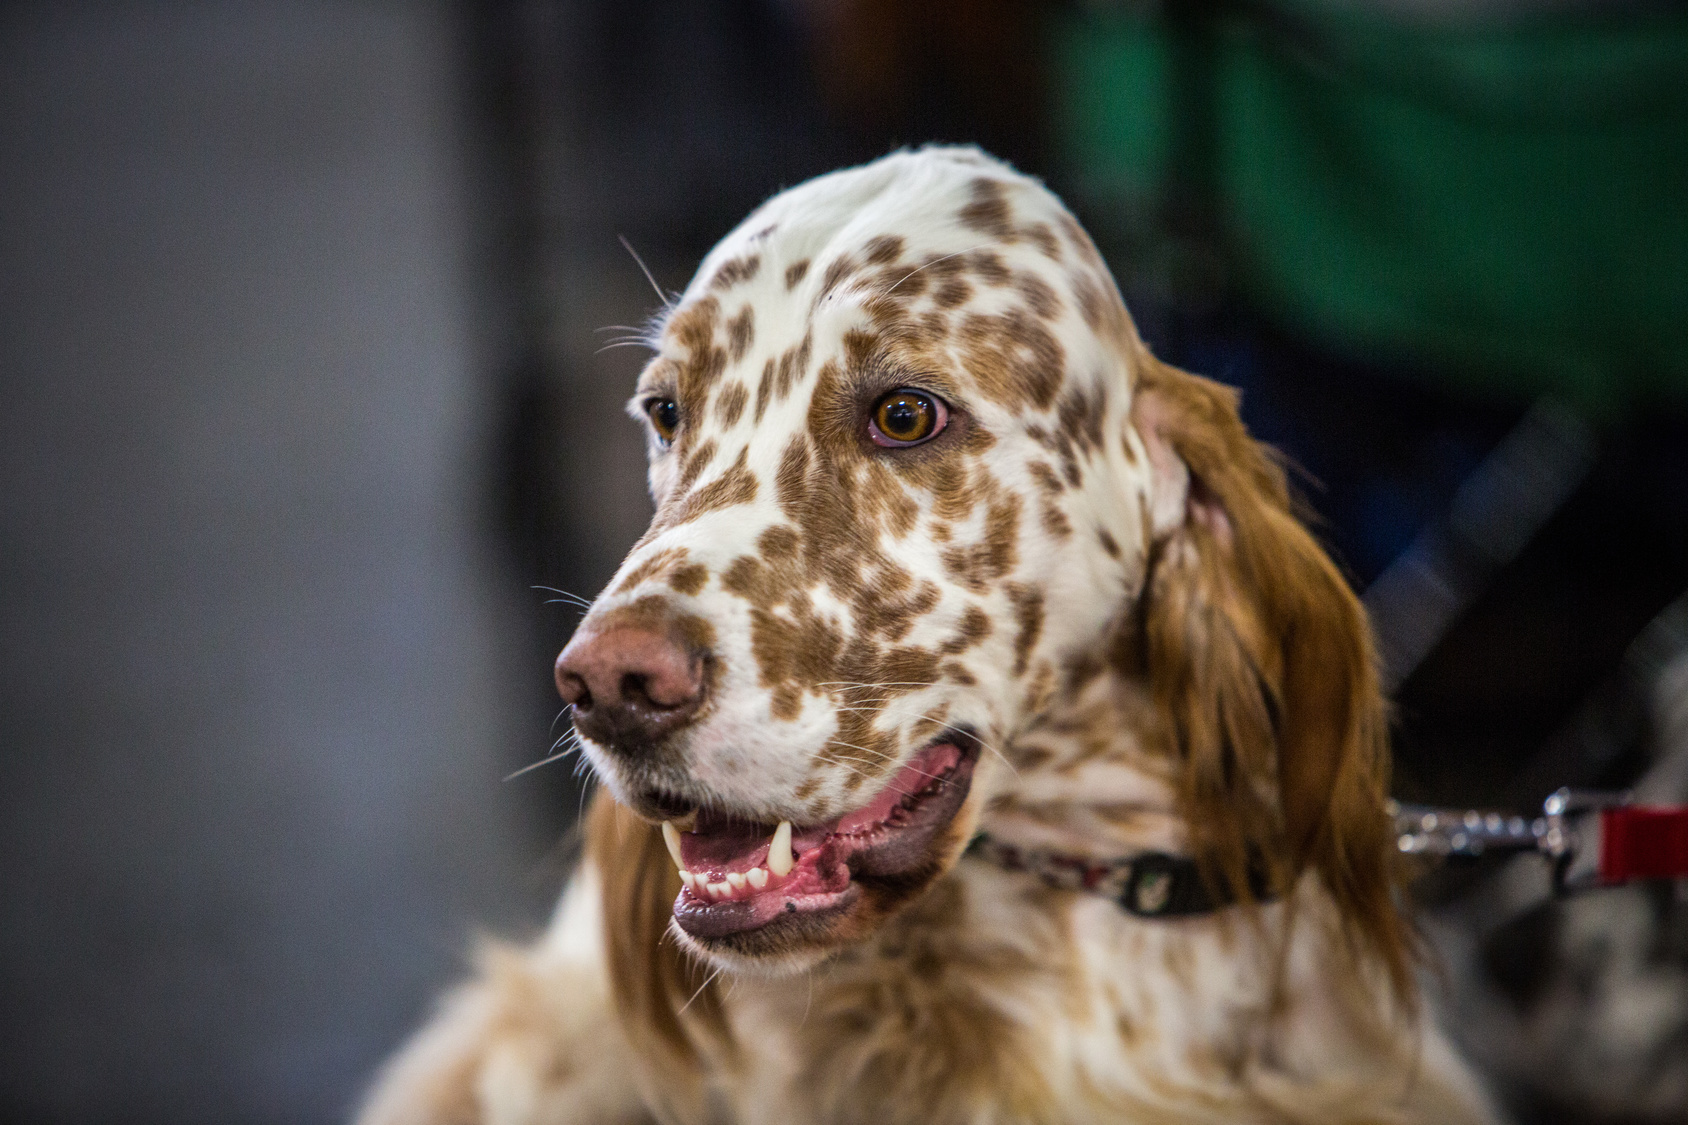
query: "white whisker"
932, 263
699, 991
565, 597
644, 269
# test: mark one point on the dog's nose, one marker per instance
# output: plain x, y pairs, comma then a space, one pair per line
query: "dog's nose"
629, 685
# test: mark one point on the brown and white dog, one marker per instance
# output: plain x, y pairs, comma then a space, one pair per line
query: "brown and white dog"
941, 549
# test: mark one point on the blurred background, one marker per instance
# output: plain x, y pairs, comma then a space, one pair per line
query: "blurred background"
306, 415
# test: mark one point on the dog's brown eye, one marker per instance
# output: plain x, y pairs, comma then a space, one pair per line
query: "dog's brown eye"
665, 416
907, 417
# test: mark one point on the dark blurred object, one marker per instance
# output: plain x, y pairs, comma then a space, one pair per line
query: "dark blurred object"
1578, 1006
260, 661
1493, 197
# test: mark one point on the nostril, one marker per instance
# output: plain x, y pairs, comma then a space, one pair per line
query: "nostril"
635, 688
572, 687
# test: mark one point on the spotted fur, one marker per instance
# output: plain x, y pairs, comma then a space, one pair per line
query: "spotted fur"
1095, 571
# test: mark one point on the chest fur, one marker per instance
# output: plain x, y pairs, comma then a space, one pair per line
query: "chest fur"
996, 999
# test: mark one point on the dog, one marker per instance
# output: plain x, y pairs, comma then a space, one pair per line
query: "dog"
982, 737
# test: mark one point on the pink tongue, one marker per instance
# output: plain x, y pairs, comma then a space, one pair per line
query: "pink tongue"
718, 843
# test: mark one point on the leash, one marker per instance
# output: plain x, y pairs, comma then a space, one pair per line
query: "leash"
1592, 839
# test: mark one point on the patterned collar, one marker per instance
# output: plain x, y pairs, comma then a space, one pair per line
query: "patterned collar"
1149, 885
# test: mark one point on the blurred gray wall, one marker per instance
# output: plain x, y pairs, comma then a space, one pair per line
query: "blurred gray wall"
262, 669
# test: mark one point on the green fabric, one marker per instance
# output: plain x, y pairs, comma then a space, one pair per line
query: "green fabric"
1507, 205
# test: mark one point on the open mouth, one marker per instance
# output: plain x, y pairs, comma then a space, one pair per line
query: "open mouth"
741, 875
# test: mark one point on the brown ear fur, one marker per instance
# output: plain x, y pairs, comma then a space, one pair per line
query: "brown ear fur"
668, 1004
1260, 657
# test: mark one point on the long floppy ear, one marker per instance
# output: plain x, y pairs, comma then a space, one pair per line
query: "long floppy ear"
1260, 659
667, 1002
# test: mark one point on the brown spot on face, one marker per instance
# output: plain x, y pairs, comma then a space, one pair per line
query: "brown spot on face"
837, 271
1041, 688
764, 390
995, 554
793, 473
1038, 294
786, 703
1047, 482
974, 627
794, 273
1054, 520
1079, 418
741, 331
735, 486
695, 463
1028, 615
885, 248
689, 580
729, 406
895, 287
793, 365
988, 267
1014, 359
736, 271
1100, 305
1090, 300
989, 212
653, 564
953, 292
884, 500
1109, 543
778, 543
1039, 235
693, 328
956, 673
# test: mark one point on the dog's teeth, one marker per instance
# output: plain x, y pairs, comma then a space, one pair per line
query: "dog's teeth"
757, 877
736, 879
671, 837
688, 878
721, 890
779, 852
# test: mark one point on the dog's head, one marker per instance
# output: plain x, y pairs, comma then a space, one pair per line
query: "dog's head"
915, 477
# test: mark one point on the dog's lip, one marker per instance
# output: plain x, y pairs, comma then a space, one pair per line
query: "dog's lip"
888, 837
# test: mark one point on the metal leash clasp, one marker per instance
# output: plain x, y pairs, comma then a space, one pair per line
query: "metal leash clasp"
1568, 833
1571, 839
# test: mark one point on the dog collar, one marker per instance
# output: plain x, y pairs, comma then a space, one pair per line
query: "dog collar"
1149, 885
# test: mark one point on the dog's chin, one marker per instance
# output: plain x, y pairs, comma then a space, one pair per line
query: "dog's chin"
847, 875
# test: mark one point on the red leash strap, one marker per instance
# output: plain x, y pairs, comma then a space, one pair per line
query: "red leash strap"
1637, 842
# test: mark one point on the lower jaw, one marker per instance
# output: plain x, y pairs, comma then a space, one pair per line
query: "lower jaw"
782, 915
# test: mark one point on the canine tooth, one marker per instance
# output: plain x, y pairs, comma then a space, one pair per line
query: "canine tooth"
757, 877
736, 879
671, 837
779, 852
688, 878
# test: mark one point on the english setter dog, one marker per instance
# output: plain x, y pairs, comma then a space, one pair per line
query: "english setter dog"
981, 737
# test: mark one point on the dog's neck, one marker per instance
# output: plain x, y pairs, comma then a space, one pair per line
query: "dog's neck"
1089, 777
